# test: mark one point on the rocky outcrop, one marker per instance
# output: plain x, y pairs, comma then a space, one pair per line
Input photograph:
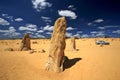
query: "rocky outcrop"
25, 43
57, 46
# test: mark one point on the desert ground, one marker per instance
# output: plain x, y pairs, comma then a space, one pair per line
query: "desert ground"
91, 62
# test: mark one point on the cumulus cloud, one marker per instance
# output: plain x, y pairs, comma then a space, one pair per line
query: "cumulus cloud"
67, 13
84, 35
94, 32
11, 29
4, 15
48, 28
40, 4
97, 34
105, 27
93, 23
15, 34
71, 7
11, 32
49, 33
7, 16
110, 26
4, 22
29, 27
46, 19
68, 34
80, 32
18, 19
77, 35
116, 32
40, 31
30, 32
89, 24
101, 27
100, 34
99, 20
70, 28
39, 35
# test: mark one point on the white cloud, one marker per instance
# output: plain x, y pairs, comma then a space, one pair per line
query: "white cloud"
14, 34
101, 27
68, 34
18, 19
11, 32
48, 28
67, 13
99, 20
3, 31
117, 31
95, 21
110, 26
29, 27
70, 28
89, 24
84, 36
4, 22
40, 31
11, 29
71, 7
46, 19
4, 15
80, 32
77, 35
94, 32
40, 4
37, 35
7, 16
40, 36
104, 27
100, 34
49, 33
29, 32
43, 17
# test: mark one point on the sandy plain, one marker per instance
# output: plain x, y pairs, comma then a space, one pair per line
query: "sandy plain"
91, 62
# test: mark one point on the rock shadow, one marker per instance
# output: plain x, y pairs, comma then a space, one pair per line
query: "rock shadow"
70, 62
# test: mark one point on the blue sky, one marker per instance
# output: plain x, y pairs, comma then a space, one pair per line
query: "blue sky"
85, 18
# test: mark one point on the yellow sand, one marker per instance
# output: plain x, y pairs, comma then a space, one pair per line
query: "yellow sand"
96, 63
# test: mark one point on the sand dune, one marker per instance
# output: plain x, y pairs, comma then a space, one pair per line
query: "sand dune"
91, 62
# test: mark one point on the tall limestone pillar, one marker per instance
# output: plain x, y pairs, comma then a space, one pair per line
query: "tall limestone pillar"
57, 46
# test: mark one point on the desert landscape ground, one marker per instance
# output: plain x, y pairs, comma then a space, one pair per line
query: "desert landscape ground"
91, 62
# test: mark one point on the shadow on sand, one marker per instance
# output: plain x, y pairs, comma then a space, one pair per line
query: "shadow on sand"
70, 62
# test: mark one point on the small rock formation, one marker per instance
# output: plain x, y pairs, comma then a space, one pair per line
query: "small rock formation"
25, 43
31, 51
35, 42
9, 49
42, 51
57, 46
73, 44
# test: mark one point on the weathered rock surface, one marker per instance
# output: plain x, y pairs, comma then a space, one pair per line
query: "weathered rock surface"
57, 46
73, 43
25, 43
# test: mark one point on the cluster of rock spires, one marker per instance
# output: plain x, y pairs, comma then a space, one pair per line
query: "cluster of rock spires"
56, 56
